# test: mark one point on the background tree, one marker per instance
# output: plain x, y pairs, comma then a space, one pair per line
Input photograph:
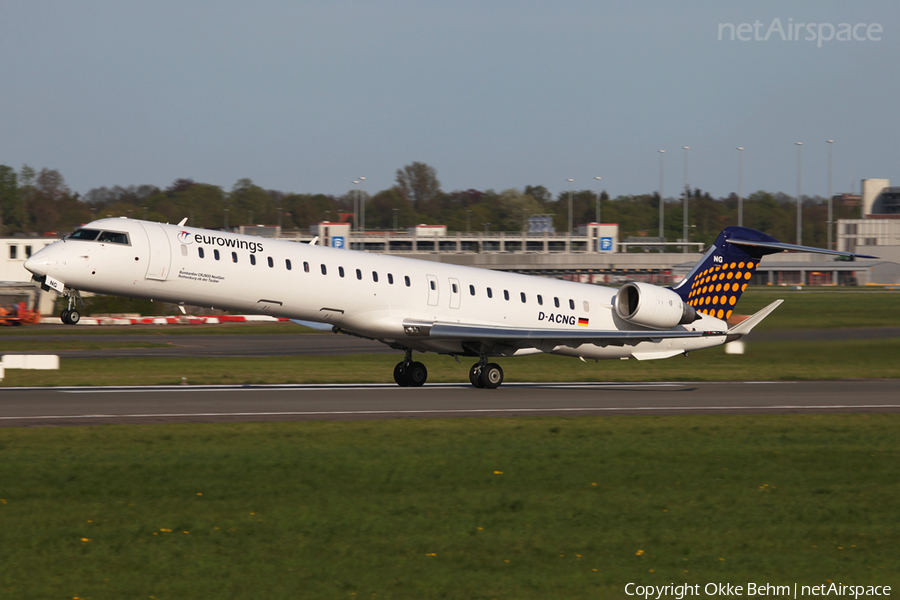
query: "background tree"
418, 184
13, 216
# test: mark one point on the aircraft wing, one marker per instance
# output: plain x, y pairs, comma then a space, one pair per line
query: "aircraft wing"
525, 337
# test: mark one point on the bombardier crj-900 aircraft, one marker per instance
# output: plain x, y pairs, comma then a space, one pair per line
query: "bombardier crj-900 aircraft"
412, 305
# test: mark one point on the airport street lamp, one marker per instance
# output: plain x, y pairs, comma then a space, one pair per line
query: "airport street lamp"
597, 216
830, 214
687, 194
740, 186
799, 201
356, 205
571, 181
662, 204
362, 202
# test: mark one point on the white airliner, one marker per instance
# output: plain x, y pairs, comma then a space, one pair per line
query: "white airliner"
412, 305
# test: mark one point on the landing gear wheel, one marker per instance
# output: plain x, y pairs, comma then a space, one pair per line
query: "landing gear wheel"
64, 317
475, 376
74, 316
400, 375
491, 376
416, 374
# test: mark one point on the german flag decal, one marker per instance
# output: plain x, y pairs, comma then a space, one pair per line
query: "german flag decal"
582, 322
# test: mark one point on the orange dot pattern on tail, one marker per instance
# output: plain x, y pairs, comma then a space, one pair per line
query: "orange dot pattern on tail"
716, 290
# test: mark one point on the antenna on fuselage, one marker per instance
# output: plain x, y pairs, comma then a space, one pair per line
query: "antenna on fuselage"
313, 241
182, 222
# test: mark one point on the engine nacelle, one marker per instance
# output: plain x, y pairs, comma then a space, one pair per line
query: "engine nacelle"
653, 306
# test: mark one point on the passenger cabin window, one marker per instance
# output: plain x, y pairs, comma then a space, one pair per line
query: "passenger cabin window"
113, 237
587, 307
556, 302
88, 235
571, 304
359, 274
270, 261
234, 257
252, 259
375, 276
390, 279
506, 294
340, 270
200, 252
287, 263
490, 293
183, 250
324, 270
433, 285
522, 296
216, 254
406, 279
305, 267
540, 300
471, 290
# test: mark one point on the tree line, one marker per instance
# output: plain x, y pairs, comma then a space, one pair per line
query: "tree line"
39, 202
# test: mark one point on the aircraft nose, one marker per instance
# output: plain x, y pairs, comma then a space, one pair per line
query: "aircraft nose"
39, 263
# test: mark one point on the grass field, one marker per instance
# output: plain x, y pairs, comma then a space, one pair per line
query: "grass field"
876, 358
467, 508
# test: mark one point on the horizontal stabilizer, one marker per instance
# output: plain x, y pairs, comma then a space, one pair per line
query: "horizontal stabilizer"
781, 246
747, 325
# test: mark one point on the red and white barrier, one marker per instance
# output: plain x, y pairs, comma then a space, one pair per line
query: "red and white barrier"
179, 320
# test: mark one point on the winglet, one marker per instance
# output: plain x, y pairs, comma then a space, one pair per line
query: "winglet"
747, 325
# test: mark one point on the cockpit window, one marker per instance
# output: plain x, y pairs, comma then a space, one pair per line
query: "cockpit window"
84, 234
113, 237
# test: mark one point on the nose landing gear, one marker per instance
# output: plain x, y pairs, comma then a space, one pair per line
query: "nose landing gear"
71, 316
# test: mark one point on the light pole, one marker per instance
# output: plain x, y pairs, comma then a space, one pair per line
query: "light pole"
571, 181
830, 214
362, 202
740, 186
687, 194
356, 205
799, 202
662, 155
597, 216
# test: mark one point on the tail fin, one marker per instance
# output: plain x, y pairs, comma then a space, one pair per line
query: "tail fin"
716, 283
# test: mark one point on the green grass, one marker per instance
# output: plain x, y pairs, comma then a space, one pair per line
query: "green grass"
823, 310
468, 508
11, 346
876, 358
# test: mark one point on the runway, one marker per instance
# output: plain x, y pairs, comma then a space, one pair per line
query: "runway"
22, 407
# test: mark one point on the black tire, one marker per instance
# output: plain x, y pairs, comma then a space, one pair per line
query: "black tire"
64, 317
74, 317
416, 374
475, 376
491, 376
400, 375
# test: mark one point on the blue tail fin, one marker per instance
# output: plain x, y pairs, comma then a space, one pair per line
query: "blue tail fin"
716, 283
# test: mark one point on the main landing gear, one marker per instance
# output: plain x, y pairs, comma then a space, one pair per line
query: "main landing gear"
483, 374
486, 375
408, 373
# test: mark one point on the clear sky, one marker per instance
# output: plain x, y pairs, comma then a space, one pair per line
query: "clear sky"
305, 96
